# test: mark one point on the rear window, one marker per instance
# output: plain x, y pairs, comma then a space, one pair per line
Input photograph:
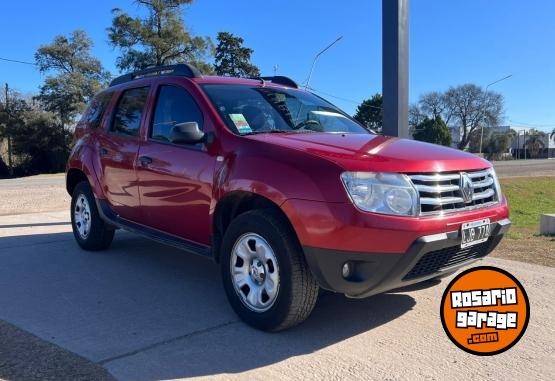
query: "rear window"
97, 108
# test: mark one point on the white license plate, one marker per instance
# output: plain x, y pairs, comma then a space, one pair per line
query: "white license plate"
475, 232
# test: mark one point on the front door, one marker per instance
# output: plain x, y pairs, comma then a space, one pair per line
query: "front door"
118, 149
175, 181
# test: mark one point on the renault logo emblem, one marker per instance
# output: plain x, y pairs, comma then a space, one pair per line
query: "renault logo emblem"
467, 189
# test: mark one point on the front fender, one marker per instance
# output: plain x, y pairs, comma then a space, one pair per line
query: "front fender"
280, 175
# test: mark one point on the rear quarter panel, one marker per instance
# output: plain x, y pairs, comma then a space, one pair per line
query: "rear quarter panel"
82, 157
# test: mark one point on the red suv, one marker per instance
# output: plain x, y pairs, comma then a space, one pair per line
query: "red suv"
280, 187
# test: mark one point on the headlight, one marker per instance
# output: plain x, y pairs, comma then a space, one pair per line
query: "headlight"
385, 193
497, 185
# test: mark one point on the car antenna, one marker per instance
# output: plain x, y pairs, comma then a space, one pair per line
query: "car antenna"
262, 81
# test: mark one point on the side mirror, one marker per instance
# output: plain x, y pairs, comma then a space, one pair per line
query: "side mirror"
186, 133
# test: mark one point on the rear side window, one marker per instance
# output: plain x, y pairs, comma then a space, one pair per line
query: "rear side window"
97, 109
128, 114
174, 105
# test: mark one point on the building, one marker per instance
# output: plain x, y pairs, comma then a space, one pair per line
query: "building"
520, 149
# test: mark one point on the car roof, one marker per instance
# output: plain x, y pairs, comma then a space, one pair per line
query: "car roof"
192, 73
266, 81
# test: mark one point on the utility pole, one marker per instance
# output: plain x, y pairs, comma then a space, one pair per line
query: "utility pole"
395, 67
525, 145
10, 164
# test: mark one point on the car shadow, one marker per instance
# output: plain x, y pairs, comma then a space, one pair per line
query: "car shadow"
147, 311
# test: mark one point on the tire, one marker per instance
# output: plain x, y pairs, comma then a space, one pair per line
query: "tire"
89, 230
278, 307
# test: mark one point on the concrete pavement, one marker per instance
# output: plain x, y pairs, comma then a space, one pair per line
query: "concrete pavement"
145, 311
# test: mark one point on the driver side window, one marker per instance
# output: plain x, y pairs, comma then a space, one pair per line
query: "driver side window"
174, 105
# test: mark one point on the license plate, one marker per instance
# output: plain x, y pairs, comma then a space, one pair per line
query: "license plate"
475, 232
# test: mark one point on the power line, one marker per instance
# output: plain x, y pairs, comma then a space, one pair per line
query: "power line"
341, 98
533, 125
17, 61
334, 96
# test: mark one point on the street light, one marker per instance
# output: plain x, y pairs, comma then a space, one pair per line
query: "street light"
316, 58
485, 96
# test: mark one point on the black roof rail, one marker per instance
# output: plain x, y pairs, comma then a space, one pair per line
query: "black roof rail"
281, 80
183, 70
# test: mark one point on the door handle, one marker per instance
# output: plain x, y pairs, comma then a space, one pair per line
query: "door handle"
145, 160
102, 151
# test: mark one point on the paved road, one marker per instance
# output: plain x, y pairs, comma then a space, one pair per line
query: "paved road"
544, 167
39, 180
145, 311
43, 193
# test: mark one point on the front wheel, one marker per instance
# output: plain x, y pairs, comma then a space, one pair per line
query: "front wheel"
89, 230
265, 275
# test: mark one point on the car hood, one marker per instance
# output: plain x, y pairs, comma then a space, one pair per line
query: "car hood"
367, 152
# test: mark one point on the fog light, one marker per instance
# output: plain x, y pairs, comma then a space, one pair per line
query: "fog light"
347, 270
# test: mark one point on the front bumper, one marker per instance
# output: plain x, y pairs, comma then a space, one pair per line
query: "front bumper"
428, 257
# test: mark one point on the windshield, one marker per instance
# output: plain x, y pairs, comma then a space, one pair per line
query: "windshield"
251, 109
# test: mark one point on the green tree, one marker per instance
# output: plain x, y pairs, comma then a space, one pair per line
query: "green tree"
232, 58
12, 111
433, 131
495, 145
160, 38
468, 107
74, 75
39, 143
370, 113
11, 116
535, 142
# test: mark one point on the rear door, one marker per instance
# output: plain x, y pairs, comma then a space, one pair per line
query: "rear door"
118, 149
175, 181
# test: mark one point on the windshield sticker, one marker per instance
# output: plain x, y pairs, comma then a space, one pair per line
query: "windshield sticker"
241, 123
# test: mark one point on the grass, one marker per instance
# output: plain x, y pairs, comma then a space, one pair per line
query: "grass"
528, 198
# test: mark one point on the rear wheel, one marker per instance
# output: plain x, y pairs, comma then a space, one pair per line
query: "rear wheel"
265, 275
89, 230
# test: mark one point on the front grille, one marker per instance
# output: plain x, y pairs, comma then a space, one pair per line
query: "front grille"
442, 193
438, 260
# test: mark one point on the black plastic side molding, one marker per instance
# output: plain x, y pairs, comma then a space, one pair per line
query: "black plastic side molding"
110, 217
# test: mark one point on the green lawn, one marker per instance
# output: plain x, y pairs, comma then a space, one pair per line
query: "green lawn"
528, 198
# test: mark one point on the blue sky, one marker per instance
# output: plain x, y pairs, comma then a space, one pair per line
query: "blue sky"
451, 42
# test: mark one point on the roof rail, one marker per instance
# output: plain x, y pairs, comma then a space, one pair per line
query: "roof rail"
281, 80
183, 70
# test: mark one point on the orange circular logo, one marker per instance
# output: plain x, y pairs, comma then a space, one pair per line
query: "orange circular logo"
485, 310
